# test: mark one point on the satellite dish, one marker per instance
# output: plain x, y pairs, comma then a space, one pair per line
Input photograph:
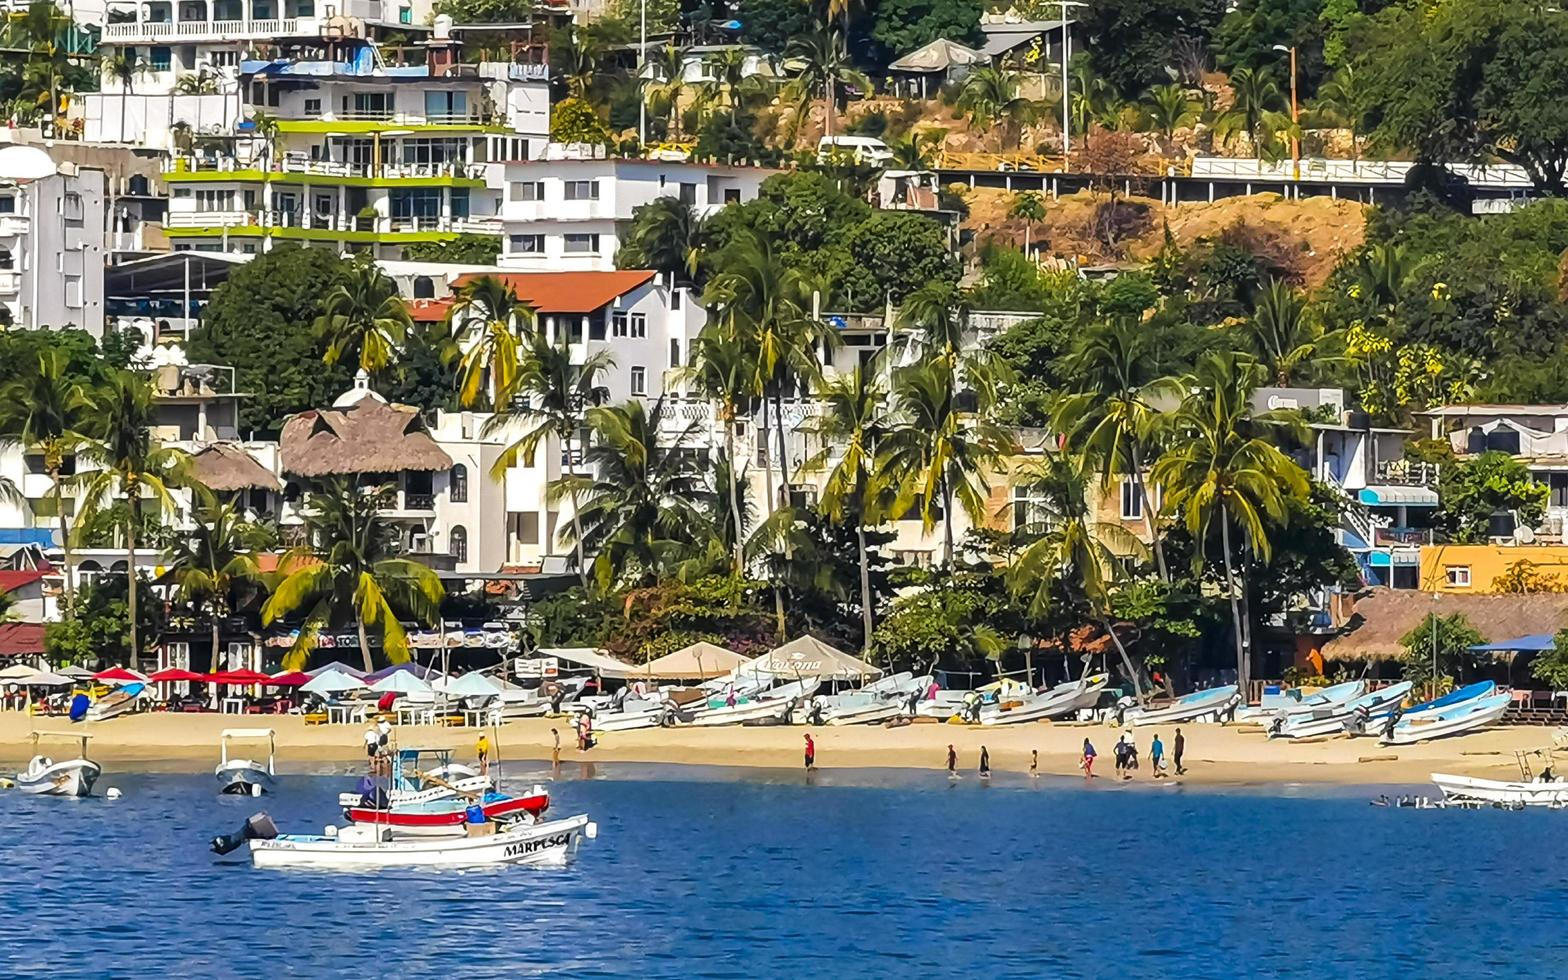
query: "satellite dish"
1524, 535
25, 163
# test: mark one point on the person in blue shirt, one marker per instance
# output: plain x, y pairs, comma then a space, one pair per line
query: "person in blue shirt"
1157, 754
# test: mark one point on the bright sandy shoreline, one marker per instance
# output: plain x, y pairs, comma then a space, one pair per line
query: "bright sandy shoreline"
1215, 754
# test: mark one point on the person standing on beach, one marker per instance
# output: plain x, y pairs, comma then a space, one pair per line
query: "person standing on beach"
555, 750
1119, 753
1087, 762
1180, 746
952, 762
1157, 756
811, 753
1034, 763
482, 753
373, 748
985, 763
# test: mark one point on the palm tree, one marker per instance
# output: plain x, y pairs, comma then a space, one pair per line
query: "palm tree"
1092, 99
728, 83
938, 314
363, 315
666, 83
1072, 548
350, 573
989, 97
1224, 464
823, 67
207, 566
265, 127
933, 454
1257, 100
1341, 102
123, 66
487, 308
46, 411
1282, 333
556, 395
1029, 207
916, 149
723, 371
196, 83
643, 497
667, 235
48, 61
1170, 108
852, 423
582, 65
1111, 416
127, 462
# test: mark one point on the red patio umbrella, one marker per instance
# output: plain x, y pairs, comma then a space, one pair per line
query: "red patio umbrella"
119, 674
293, 678
243, 677
174, 674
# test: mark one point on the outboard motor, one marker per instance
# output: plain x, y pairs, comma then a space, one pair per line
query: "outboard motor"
814, 714
258, 826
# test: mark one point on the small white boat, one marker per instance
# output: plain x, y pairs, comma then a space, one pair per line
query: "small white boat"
410, 782
773, 705
1360, 714
361, 846
246, 777
117, 702
1063, 699
46, 777
1212, 703
1467, 716
1535, 792
634, 714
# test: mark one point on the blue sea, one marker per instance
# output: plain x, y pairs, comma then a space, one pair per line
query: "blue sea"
864, 873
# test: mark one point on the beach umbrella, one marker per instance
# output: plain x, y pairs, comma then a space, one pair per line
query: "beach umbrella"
332, 682
474, 685
77, 673
14, 671
174, 674
401, 682
338, 667
423, 673
44, 679
292, 678
119, 675
241, 677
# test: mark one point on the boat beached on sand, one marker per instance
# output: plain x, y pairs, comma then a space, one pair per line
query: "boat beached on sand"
1063, 699
1358, 715
247, 777
1214, 702
46, 777
1456, 719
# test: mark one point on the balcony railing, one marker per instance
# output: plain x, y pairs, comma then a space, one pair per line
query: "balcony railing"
419, 501
331, 168
199, 30
14, 224
1405, 473
329, 222
10, 282
1403, 537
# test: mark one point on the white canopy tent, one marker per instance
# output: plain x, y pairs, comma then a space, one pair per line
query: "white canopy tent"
399, 682
593, 659
809, 657
472, 685
332, 682
698, 662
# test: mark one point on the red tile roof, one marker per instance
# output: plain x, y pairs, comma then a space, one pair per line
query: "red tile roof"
429, 310
17, 639
13, 580
568, 292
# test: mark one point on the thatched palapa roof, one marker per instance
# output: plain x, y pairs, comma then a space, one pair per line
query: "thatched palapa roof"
228, 468
1383, 616
367, 436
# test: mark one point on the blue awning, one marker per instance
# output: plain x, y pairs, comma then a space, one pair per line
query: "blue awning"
1386, 496
41, 536
1534, 643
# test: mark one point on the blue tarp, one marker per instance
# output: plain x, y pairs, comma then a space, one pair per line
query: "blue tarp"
1535, 643
42, 536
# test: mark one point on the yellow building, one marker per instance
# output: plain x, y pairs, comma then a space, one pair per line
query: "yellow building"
1475, 569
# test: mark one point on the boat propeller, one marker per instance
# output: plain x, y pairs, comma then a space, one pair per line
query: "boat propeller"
258, 826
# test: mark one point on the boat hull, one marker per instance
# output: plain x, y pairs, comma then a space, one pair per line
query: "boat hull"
1055, 703
398, 798
1468, 717
73, 778
443, 822
869, 714
238, 776
1472, 789
549, 843
1332, 721
1191, 708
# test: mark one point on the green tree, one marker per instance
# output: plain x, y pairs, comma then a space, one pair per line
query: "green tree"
853, 424
364, 318
496, 326
666, 235
209, 565
1028, 207
1283, 334
255, 323
1170, 108
1249, 32
667, 81
1473, 491
1136, 40
644, 499
1447, 641
723, 372
888, 255
556, 393
1224, 464
1255, 110
990, 98
126, 463
917, 149
823, 68
1469, 81
465, 249
1550, 667
574, 120
350, 572
901, 26
46, 411
1341, 102
124, 66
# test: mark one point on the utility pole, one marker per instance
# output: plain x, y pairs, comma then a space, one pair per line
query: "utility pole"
1295, 120
1067, 56
642, 78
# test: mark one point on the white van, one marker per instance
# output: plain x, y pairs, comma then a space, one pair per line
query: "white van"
863, 149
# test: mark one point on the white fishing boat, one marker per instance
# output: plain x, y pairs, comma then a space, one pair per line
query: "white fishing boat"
46, 777
425, 774
1063, 699
1327, 699
634, 713
246, 777
1359, 715
1467, 716
361, 847
1541, 791
122, 700
770, 706
1212, 703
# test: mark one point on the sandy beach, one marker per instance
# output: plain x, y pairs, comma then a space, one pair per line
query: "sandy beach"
1215, 754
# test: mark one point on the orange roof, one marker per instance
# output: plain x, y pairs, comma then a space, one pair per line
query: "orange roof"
567, 292
429, 310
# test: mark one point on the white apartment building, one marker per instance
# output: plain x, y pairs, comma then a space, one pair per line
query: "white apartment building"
569, 214
52, 248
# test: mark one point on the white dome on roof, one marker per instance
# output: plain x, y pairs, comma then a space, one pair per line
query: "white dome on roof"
358, 393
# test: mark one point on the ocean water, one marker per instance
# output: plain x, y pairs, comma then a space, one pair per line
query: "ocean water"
713, 873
